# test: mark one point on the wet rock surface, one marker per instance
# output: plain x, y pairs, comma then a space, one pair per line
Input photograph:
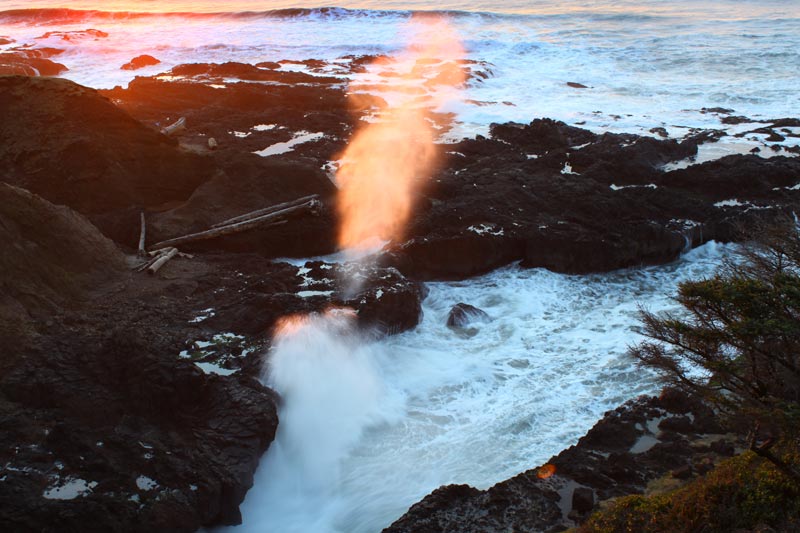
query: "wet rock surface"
622, 454
140, 62
130, 402
464, 314
556, 196
25, 62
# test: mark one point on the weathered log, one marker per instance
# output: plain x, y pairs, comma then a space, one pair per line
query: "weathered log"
176, 127
160, 251
141, 252
161, 261
266, 211
141, 267
311, 205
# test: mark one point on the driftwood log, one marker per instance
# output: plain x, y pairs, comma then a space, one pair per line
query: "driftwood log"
158, 258
141, 252
251, 220
161, 260
141, 267
266, 211
183, 255
176, 127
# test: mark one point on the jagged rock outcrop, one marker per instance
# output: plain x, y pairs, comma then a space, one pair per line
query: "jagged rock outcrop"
556, 196
51, 257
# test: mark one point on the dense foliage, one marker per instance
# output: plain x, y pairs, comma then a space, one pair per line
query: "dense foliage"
745, 493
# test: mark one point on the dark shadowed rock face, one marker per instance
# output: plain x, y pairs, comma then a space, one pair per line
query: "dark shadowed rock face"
618, 456
74, 147
51, 255
102, 426
464, 314
258, 293
106, 421
110, 436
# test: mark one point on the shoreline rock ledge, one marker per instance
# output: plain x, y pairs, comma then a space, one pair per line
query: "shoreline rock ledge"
669, 438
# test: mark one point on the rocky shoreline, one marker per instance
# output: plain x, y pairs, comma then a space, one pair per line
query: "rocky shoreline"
651, 443
132, 403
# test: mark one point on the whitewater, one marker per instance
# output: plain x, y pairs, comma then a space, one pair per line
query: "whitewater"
646, 63
370, 427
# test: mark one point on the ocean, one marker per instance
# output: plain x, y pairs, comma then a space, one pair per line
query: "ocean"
368, 430
647, 63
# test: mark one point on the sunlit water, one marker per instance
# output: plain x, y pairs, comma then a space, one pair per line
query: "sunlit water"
648, 63
367, 430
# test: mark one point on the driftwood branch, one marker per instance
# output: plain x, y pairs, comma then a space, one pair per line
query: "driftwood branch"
141, 267
176, 127
266, 211
142, 231
238, 227
161, 260
164, 250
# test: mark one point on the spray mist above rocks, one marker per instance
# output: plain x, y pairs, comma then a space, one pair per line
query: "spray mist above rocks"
387, 160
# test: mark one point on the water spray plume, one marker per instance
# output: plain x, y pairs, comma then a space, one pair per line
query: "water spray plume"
386, 161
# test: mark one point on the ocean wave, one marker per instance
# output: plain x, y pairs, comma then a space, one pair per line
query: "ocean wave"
66, 15
50, 16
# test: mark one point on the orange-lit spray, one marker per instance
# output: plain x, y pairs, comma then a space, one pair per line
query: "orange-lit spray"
320, 363
387, 160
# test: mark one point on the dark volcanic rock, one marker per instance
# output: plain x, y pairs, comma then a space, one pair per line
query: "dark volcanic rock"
385, 302
541, 135
140, 62
582, 500
523, 506
72, 146
232, 103
250, 184
113, 437
619, 456
464, 314
577, 253
102, 426
51, 256
24, 62
559, 197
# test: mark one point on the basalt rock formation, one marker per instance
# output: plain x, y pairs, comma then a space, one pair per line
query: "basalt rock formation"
545, 193
74, 147
555, 196
464, 314
670, 438
52, 256
30, 62
130, 402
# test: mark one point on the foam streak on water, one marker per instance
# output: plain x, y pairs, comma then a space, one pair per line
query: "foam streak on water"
367, 430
